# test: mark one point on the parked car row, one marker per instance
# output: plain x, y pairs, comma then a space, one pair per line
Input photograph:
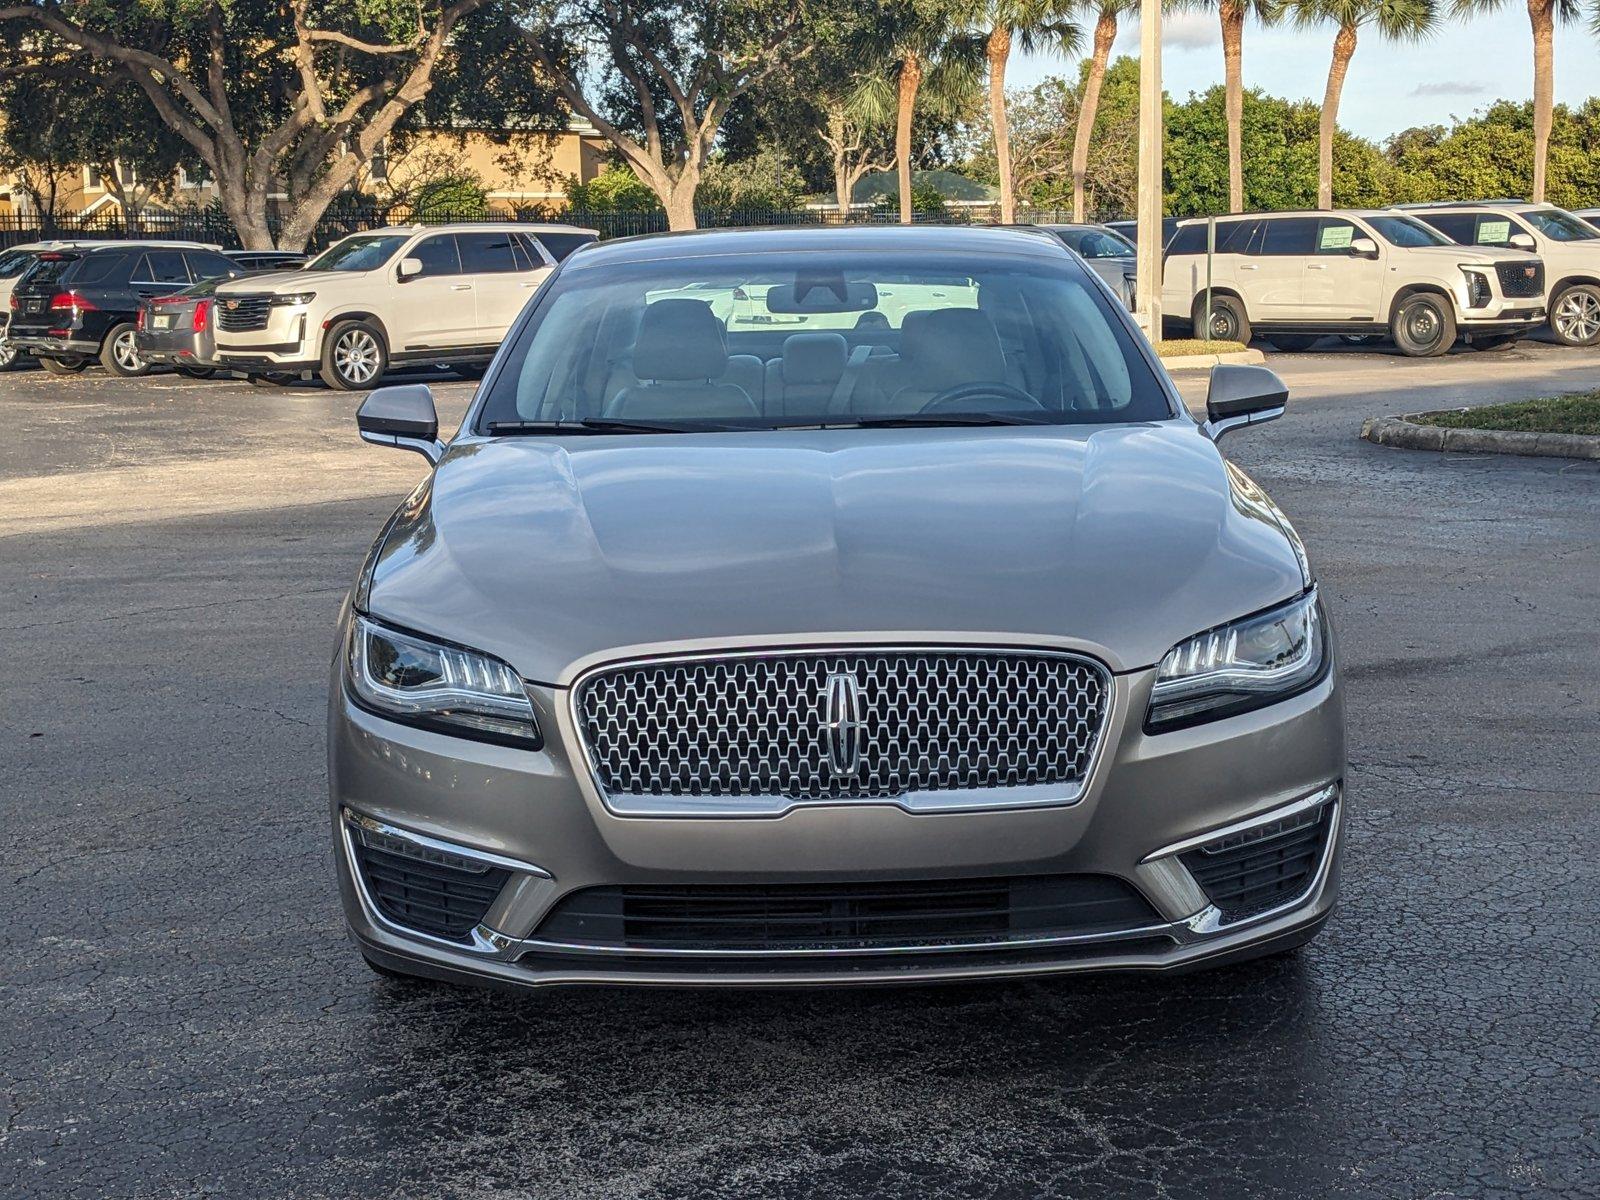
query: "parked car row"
440, 294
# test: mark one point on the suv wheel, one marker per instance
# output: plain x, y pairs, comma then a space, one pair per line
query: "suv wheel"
8, 355
353, 357
1228, 322
120, 355
64, 366
1423, 326
1575, 315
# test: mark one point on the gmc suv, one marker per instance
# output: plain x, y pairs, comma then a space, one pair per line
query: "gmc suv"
421, 294
1294, 277
1569, 246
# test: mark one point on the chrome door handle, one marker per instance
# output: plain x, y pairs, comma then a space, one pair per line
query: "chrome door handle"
1316, 266
1248, 267
460, 287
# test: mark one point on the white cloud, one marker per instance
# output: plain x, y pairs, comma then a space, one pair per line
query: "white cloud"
1446, 87
1179, 31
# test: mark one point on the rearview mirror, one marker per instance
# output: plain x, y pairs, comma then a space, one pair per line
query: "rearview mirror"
822, 293
402, 416
1523, 241
1363, 247
1241, 396
410, 268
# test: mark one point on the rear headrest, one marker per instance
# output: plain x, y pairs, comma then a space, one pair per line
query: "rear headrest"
680, 339
814, 357
949, 346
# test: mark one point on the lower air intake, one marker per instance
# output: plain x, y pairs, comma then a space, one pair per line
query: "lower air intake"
429, 897
1259, 869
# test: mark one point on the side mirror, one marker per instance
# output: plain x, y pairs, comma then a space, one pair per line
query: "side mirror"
402, 416
1236, 396
409, 268
1522, 241
1363, 247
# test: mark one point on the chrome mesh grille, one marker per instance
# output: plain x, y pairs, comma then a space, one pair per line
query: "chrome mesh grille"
756, 725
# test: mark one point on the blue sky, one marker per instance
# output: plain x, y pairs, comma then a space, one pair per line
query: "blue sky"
1389, 88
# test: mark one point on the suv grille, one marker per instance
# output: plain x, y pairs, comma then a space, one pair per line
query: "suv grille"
430, 897
1252, 872
243, 314
842, 725
840, 916
1521, 280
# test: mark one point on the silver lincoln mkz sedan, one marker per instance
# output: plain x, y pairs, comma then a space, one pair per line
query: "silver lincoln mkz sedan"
831, 606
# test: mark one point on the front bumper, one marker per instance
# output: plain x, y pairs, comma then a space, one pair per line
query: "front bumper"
540, 822
1507, 320
287, 342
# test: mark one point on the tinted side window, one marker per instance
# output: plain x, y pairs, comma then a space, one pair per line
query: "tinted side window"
1190, 239
1496, 230
527, 252
562, 244
438, 255
1290, 235
99, 268
1334, 236
1233, 237
205, 265
486, 253
161, 266
1458, 227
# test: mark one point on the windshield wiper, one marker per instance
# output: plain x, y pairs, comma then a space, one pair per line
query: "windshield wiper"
603, 425
913, 420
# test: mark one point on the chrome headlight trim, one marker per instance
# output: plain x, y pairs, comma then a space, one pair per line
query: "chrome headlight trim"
1246, 664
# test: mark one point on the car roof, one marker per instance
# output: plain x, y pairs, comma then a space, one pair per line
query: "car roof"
973, 239
471, 227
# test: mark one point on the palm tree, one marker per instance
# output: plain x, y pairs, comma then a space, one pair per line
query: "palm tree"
1542, 16
924, 49
1400, 20
1105, 33
1028, 24
1232, 14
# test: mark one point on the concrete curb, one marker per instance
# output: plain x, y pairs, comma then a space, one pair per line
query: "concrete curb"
1408, 435
1197, 362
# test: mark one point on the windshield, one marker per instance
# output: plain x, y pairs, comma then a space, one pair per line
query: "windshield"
363, 252
1407, 231
822, 339
1560, 226
1097, 243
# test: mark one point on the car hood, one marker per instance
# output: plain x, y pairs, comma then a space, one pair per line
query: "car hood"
557, 553
1472, 254
292, 280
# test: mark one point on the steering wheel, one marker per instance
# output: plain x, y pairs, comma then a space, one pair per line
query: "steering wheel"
1012, 399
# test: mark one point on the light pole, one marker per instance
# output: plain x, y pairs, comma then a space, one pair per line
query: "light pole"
1147, 298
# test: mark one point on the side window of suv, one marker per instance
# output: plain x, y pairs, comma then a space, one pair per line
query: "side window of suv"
562, 244
487, 253
203, 264
1335, 235
438, 255
161, 266
1458, 227
1233, 237
1289, 236
1496, 230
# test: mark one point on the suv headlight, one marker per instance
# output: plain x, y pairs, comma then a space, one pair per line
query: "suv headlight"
1248, 663
445, 688
292, 300
1479, 292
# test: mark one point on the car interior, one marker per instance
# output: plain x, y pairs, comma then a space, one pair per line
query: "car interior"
720, 353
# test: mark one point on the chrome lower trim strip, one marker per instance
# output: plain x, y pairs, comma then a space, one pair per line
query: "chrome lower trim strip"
951, 800
1294, 808
422, 841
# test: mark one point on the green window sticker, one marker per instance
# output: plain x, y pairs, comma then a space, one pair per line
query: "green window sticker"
1494, 233
1336, 237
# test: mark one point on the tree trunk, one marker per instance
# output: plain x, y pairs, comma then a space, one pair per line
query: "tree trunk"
999, 50
1232, 12
1541, 15
1105, 33
910, 81
679, 201
838, 140
1344, 46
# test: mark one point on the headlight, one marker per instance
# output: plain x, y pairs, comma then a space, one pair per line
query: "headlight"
408, 678
1252, 662
1478, 291
291, 301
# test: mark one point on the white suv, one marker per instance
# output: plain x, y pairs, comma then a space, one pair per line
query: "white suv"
1294, 277
421, 294
1569, 246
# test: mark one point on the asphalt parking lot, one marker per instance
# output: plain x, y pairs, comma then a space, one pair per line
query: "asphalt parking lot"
184, 1017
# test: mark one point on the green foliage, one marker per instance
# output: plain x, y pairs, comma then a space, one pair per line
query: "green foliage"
766, 179
925, 198
1491, 154
1577, 413
616, 189
459, 194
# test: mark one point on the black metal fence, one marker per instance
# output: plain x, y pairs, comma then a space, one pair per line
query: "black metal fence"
211, 225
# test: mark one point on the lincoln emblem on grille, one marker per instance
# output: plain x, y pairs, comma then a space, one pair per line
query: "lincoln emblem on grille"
844, 724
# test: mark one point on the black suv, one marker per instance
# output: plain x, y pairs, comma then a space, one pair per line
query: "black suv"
73, 306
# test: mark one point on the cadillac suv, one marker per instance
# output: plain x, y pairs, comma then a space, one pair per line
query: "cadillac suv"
1294, 277
868, 645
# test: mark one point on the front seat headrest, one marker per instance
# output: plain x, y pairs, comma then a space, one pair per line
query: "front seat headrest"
949, 346
680, 340
814, 357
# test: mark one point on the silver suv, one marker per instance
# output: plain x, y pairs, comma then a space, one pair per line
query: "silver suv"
860, 644
1569, 246
1294, 277
424, 293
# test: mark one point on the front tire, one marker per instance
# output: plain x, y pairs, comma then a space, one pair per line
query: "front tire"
119, 353
1228, 320
9, 355
354, 357
64, 366
1424, 326
1575, 315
